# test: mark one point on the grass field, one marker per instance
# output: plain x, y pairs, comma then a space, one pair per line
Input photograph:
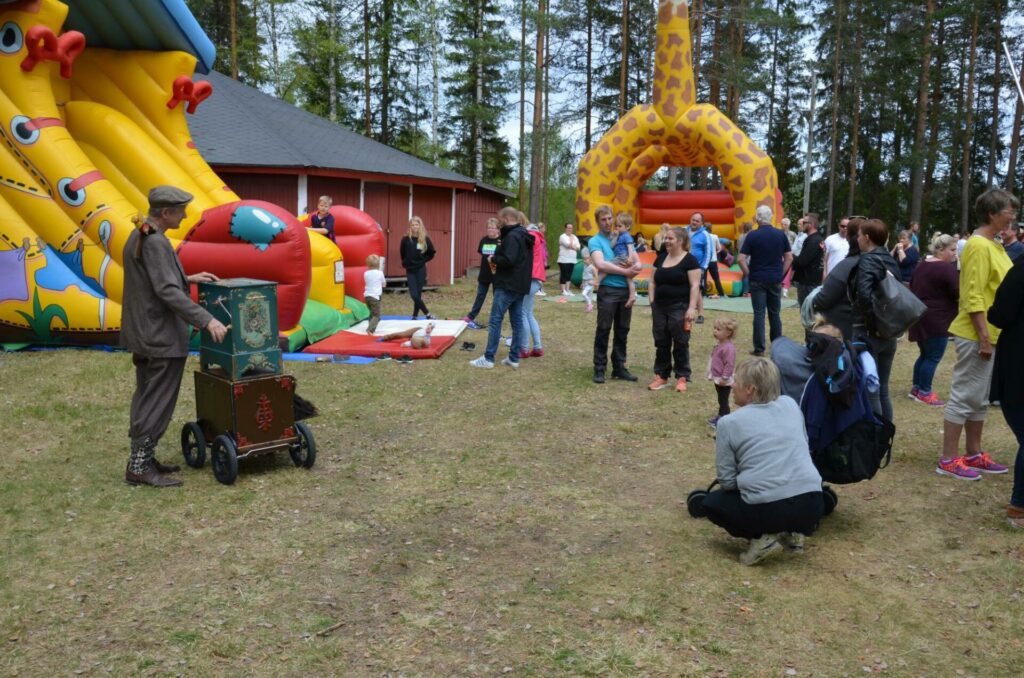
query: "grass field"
463, 522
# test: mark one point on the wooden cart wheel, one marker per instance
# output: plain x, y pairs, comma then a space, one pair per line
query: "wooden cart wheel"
303, 452
193, 444
224, 459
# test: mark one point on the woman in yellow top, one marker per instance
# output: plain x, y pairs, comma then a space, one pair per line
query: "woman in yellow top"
983, 265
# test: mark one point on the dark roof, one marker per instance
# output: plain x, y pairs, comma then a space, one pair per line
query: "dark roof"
242, 126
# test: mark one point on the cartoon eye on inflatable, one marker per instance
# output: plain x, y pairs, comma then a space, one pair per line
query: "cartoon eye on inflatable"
11, 38
21, 130
72, 196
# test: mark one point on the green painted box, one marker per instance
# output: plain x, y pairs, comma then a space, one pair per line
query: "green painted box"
249, 307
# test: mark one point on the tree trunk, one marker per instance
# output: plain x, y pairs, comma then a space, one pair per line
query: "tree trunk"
367, 115
477, 134
917, 159
590, 73
697, 30
715, 81
965, 179
996, 87
537, 130
522, 103
233, 36
858, 87
435, 64
332, 80
388, 15
836, 77
547, 124
934, 115
624, 63
1011, 163
775, 62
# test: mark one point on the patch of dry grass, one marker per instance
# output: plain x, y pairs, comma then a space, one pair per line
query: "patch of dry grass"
461, 521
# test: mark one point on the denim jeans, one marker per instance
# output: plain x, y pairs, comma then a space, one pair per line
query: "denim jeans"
505, 301
766, 296
611, 312
529, 319
1014, 415
478, 303
932, 350
884, 352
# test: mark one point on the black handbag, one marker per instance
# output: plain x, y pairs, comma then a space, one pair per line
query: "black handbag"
895, 307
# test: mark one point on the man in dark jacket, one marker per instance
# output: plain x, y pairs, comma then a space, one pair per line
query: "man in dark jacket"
807, 264
155, 327
512, 264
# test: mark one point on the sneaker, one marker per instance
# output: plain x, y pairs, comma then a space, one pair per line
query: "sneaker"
1015, 516
757, 354
508, 341
792, 541
483, 362
431, 316
541, 293
514, 364
982, 463
913, 393
590, 308
471, 324
758, 549
537, 353
681, 385
658, 383
699, 320
713, 421
524, 354
598, 376
956, 468
929, 399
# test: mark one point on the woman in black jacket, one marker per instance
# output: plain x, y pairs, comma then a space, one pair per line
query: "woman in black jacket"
416, 250
875, 263
1007, 313
833, 299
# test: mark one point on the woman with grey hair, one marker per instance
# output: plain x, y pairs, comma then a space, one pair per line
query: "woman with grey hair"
937, 284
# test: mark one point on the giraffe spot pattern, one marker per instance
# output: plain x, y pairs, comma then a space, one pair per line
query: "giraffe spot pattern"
606, 189
744, 158
613, 166
760, 179
628, 124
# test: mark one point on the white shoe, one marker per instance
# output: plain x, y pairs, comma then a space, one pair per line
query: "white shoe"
508, 341
541, 293
483, 362
758, 549
508, 361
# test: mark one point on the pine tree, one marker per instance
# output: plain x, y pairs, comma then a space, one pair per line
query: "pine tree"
232, 27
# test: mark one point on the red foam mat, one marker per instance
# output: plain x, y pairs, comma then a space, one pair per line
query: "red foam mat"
351, 343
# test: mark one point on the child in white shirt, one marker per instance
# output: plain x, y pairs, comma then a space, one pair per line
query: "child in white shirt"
373, 277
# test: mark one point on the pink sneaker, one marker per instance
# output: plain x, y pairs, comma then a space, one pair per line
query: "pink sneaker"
590, 307
982, 463
929, 399
914, 393
524, 354
537, 353
956, 468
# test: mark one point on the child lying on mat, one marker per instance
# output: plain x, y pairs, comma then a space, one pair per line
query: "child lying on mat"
418, 337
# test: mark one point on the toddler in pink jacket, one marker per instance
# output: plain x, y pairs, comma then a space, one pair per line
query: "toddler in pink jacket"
722, 365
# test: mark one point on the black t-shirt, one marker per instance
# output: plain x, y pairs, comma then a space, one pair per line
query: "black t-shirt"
486, 248
327, 222
672, 284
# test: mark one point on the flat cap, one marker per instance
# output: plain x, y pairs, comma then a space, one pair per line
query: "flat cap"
168, 196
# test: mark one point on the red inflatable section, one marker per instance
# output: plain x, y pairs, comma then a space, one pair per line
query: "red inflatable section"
676, 207
358, 235
253, 239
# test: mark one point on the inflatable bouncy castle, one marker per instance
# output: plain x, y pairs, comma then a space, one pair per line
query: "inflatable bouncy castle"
93, 99
675, 131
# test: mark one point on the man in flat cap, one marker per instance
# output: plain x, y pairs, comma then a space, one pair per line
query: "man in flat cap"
155, 327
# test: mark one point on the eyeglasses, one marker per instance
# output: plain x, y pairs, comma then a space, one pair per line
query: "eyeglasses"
857, 217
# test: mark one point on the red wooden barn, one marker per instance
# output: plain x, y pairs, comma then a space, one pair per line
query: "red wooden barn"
267, 149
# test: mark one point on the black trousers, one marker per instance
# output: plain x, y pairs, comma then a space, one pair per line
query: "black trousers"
565, 272
713, 270
723, 399
671, 341
417, 280
727, 509
611, 313
157, 381
802, 290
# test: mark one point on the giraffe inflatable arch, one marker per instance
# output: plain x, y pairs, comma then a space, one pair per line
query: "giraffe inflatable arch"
676, 131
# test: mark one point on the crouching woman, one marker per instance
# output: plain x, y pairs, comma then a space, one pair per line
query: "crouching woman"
770, 492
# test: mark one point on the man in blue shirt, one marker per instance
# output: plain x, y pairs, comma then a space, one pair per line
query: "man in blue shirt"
766, 258
614, 308
700, 248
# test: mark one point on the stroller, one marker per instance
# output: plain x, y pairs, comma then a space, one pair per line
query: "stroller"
847, 440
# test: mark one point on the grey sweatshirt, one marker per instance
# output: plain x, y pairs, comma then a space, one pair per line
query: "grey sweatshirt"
761, 449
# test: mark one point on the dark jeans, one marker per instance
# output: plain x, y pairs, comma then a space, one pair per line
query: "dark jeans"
565, 272
803, 289
932, 350
505, 301
723, 399
801, 513
611, 312
478, 303
766, 296
884, 352
670, 339
417, 280
713, 270
1014, 415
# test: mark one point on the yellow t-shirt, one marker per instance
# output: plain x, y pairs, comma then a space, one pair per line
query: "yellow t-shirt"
983, 265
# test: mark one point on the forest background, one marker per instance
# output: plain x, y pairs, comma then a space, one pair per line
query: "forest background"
912, 106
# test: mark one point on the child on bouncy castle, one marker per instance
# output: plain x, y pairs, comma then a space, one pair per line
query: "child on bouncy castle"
323, 221
375, 282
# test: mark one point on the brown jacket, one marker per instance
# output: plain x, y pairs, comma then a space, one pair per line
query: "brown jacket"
157, 310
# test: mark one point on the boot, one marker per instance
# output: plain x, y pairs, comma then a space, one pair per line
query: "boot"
165, 468
150, 476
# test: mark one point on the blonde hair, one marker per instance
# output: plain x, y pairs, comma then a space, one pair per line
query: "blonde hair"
508, 212
624, 219
821, 326
763, 376
326, 199
373, 261
493, 221
940, 241
727, 323
422, 238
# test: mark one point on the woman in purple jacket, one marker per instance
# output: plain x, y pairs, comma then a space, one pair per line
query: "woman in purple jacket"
937, 284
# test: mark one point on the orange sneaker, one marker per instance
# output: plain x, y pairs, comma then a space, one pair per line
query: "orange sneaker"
681, 385
658, 383
1015, 516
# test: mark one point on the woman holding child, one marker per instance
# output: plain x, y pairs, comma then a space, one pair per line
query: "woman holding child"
673, 292
769, 490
